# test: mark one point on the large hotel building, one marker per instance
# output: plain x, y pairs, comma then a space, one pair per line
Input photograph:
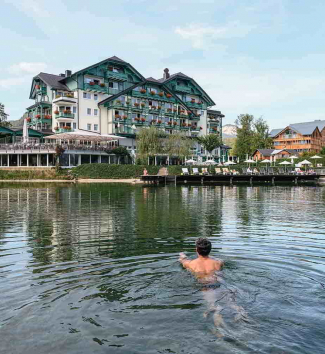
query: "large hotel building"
112, 97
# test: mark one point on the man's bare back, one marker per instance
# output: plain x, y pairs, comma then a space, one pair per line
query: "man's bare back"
202, 266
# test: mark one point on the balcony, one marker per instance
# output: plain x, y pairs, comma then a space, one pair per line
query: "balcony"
96, 88
214, 131
64, 115
182, 88
63, 130
194, 105
117, 76
65, 98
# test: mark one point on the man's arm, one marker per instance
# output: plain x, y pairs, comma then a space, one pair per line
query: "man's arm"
183, 260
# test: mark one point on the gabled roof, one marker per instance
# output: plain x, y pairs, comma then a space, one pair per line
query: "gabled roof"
290, 151
275, 132
264, 152
153, 80
53, 81
305, 128
173, 76
113, 58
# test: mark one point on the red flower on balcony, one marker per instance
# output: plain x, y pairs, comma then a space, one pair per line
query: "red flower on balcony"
91, 83
168, 95
102, 84
136, 104
56, 112
152, 93
117, 116
56, 128
48, 116
158, 107
169, 109
37, 87
143, 91
38, 116
169, 123
143, 119
110, 68
184, 125
175, 110
159, 121
161, 94
192, 100
66, 111
175, 123
137, 119
182, 111
29, 119
125, 117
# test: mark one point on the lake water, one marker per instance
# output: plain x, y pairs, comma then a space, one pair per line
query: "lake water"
93, 269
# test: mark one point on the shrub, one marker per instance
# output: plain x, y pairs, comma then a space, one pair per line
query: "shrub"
101, 171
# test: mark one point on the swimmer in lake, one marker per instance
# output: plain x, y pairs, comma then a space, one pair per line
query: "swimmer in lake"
207, 271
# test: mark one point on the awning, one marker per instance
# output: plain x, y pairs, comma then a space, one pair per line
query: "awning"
84, 135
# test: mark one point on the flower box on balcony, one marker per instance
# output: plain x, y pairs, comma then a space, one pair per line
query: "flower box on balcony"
102, 84
184, 125
192, 100
37, 87
47, 116
125, 117
169, 110
28, 119
143, 104
159, 121
137, 119
182, 111
38, 116
175, 110
56, 112
143, 91
66, 111
175, 123
136, 104
70, 95
158, 107
118, 101
168, 95
152, 93
143, 119
117, 116
110, 68
169, 123
161, 94
56, 128
153, 107
91, 83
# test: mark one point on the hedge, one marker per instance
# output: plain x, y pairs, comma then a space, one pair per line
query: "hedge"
101, 171
33, 174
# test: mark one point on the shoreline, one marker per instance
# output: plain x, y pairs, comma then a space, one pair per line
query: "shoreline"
81, 180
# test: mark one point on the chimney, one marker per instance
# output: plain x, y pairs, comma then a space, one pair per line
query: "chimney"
62, 75
166, 74
68, 73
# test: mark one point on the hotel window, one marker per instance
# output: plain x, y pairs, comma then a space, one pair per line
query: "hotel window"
95, 126
74, 108
95, 97
96, 82
113, 85
89, 111
95, 112
74, 125
88, 126
87, 95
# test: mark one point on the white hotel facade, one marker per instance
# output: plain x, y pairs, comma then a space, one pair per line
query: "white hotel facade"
112, 97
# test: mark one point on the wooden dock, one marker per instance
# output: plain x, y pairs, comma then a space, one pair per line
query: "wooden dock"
233, 179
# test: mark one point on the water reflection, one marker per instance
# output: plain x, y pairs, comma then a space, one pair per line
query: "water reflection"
95, 265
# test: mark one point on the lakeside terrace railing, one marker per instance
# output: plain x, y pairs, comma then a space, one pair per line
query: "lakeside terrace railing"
51, 147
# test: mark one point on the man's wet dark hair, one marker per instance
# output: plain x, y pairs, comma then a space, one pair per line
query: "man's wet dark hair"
203, 246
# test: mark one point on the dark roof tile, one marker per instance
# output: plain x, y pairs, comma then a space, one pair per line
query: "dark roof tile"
53, 81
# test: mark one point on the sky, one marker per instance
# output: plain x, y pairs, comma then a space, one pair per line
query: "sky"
265, 58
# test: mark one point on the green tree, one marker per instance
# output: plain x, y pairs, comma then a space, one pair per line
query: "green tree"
244, 141
261, 137
149, 142
210, 142
178, 144
3, 116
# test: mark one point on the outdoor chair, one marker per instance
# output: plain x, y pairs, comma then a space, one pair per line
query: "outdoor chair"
234, 172
225, 171
196, 171
184, 172
271, 171
205, 171
218, 171
281, 171
256, 171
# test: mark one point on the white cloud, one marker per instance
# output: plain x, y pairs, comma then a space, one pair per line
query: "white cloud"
34, 7
203, 37
10, 82
27, 68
